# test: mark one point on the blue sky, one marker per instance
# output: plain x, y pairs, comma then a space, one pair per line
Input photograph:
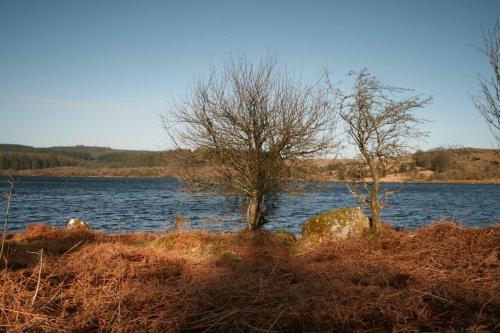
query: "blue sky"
100, 73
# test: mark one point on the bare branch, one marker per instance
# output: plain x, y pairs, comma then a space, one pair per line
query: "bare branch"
487, 102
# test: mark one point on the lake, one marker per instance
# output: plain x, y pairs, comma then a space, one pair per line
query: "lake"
126, 204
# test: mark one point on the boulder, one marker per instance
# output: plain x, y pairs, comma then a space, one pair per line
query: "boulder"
337, 224
77, 223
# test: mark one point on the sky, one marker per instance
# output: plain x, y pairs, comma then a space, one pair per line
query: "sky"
100, 73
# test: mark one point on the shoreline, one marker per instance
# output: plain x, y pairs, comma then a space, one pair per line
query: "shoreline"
38, 229
129, 173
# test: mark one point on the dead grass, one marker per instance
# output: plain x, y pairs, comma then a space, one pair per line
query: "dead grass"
439, 278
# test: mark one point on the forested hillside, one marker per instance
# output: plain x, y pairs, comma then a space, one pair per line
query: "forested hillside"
18, 157
440, 164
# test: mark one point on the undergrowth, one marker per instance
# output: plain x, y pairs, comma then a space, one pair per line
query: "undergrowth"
439, 278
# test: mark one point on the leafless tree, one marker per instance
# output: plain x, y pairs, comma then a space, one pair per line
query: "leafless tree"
251, 123
487, 102
378, 120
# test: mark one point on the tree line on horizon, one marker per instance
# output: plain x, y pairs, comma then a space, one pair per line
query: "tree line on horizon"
43, 158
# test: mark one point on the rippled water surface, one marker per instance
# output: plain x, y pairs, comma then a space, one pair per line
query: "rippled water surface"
122, 205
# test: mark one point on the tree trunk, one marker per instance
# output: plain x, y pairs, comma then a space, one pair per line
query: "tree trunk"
375, 220
254, 211
374, 207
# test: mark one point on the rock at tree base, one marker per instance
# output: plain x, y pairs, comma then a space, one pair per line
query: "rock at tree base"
337, 224
77, 223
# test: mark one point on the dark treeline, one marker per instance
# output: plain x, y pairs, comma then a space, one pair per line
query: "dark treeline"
31, 161
18, 157
79, 152
133, 159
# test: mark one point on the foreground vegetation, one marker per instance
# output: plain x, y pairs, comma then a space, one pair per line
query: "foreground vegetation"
438, 278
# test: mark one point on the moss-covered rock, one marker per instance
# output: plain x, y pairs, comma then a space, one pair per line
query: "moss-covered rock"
337, 224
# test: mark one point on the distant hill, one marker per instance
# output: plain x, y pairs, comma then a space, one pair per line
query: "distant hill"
440, 164
459, 163
20, 157
93, 151
14, 147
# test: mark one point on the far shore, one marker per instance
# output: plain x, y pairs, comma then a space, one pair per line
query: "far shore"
161, 172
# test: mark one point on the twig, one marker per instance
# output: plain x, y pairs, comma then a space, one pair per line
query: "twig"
23, 312
65, 253
276, 319
39, 278
53, 296
432, 295
9, 193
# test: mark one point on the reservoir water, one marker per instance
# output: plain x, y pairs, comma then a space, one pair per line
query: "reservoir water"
129, 204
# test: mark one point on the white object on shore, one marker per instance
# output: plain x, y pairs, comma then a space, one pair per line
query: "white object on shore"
77, 223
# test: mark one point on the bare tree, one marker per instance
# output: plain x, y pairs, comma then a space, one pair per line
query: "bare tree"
379, 125
487, 102
251, 123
